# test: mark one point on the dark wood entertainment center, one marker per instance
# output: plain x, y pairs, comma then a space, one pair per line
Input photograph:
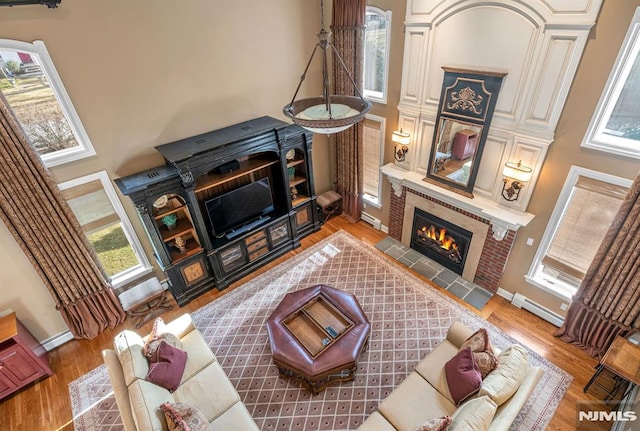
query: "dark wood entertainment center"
174, 200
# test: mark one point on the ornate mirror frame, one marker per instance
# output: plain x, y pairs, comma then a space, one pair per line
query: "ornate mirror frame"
467, 102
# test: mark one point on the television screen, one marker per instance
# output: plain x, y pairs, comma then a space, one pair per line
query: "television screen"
239, 206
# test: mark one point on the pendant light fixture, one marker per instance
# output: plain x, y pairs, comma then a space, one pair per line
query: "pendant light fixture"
328, 113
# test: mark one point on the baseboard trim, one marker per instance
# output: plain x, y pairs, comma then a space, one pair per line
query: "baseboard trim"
376, 223
57, 340
505, 294
522, 301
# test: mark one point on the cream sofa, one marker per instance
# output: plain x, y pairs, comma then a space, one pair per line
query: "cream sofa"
204, 384
425, 395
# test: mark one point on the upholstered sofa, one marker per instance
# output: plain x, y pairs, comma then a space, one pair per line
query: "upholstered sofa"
204, 385
425, 394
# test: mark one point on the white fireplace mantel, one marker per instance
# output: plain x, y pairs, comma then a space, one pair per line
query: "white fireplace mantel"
500, 217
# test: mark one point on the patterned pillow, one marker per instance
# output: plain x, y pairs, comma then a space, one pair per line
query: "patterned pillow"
183, 417
482, 351
158, 334
439, 424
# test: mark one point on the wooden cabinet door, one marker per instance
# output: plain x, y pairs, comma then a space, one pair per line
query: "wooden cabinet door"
20, 364
6, 385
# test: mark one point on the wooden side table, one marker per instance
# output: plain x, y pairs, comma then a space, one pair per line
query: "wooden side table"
23, 359
142, 299
623, 360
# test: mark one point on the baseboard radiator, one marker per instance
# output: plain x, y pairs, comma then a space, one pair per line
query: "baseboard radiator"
376, 223
522, 301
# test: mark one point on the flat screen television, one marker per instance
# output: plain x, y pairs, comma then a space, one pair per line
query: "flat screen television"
245, 204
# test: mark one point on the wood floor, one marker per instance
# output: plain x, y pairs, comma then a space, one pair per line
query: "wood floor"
46, 404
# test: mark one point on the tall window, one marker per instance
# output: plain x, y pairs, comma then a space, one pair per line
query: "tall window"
34, 91
376, 53
615, 126
585, 209
373, 145
95, 204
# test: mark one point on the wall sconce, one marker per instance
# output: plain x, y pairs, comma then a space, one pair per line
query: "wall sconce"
400, 138
515, 174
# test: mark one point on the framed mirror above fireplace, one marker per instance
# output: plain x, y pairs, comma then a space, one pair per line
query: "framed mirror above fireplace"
466, 106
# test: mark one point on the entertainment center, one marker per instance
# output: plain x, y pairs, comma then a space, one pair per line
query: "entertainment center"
226, 202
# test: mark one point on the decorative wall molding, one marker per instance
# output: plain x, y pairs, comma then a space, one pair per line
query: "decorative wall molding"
538, 43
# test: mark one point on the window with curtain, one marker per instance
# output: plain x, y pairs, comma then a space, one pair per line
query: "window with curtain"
35, 94
373, 137
587, 204
376, 53
615, 126
95, 204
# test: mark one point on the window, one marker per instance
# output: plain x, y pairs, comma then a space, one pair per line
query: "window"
615, 126
585, 209
373, 146
376, 53
34, 91
95, 204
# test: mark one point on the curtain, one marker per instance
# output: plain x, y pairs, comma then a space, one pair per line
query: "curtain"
607, 303
348, 38
41, 222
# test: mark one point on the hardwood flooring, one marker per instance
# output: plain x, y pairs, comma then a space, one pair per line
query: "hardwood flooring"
46, 404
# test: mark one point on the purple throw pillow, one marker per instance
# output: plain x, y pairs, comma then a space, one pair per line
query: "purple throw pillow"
463, 375
167, 366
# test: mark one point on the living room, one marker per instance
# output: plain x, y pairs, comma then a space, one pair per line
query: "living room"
125, 69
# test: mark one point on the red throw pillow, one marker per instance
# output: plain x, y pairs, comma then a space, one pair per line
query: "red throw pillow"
167, 367
463, 375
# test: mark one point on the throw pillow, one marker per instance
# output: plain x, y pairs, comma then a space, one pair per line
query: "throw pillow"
501, 384
482, 351
439, 424
167, 366
159, 333
463, 376
183, 417
474, 415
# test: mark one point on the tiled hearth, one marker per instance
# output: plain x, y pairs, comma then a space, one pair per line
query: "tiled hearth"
493, 226
468, 291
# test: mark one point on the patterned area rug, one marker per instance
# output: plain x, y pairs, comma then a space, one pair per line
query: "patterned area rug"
409, 318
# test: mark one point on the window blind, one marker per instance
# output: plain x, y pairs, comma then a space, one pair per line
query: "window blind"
372, 156
587, 216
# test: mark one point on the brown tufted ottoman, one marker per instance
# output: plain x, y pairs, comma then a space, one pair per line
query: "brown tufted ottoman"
317, 335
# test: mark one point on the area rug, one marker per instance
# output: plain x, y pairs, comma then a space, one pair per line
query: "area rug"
408, 317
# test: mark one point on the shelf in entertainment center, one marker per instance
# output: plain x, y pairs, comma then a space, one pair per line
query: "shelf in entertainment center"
246, 167
192, 248
299, 200
167, 212
292, 163
296, 180
182, 226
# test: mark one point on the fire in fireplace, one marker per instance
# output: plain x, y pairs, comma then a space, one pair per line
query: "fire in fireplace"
440, 240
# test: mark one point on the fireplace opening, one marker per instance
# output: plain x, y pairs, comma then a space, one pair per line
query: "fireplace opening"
440, 240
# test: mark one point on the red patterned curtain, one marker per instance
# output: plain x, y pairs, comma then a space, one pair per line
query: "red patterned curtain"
42, 223
348, 38
607, 303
